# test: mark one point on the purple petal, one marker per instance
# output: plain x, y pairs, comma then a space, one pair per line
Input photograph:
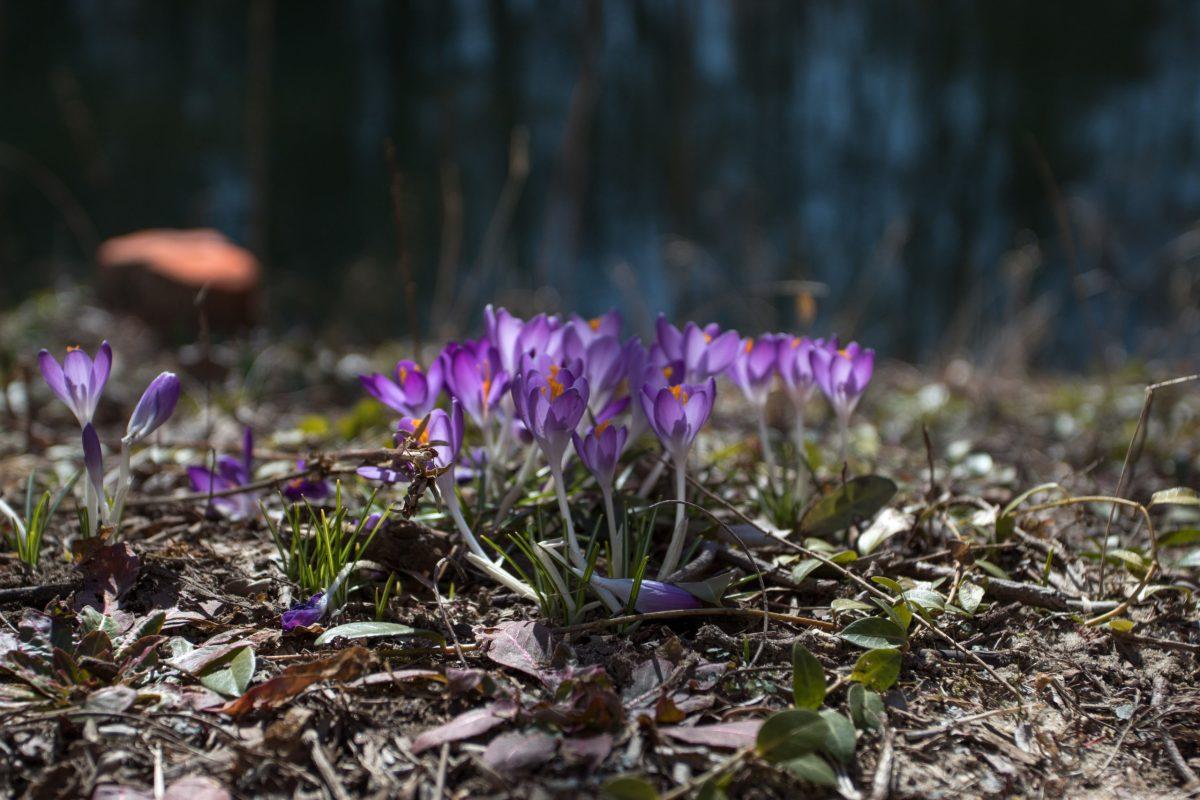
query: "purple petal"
93, 459
155, 407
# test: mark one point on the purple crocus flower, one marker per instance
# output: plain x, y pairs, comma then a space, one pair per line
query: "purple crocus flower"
304, 487
795, 368
603, 364
476, 378
310, 612
600, 449
79, 380
551, 403
701, 353
652, 595
230, 473
676, 414
155, 407
843, 375
514, 338
753, 368
413, 392
607, 324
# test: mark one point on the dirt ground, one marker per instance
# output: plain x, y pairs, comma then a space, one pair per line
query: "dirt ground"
1019, 698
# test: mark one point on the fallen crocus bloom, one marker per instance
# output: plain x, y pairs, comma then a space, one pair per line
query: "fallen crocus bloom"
229, 474
652, 596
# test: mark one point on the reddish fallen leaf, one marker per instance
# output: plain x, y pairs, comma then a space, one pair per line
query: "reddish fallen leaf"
587, 750
523, 646
466, 725
109, 571
731, 735
345, 666
519, 750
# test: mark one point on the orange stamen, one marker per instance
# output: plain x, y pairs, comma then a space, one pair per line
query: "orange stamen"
667, 372
603, 426
749, 344
594, 323
680, 394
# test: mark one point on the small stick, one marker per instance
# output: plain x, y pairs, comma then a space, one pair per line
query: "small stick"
881, 785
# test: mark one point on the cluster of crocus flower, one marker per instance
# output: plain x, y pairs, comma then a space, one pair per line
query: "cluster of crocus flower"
79, 382
575, 387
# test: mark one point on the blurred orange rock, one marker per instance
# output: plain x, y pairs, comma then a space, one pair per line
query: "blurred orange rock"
158, 275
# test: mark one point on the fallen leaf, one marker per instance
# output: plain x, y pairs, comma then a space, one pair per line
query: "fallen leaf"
519, 750
466, 725
731, 735
109, 572
345, 666
523, 646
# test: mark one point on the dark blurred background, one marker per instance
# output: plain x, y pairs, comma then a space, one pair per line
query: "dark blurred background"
1016, 180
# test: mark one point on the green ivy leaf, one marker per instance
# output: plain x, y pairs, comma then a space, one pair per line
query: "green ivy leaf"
808, 678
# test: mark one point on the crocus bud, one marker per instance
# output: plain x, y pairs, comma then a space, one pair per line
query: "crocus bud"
155, 407
93, 459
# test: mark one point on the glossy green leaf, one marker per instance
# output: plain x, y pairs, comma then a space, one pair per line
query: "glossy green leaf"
970, 595
629, 787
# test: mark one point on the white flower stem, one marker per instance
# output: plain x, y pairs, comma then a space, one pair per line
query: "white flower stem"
675, 549
564, 508
801, 457
764, 436
446, 487
616, 546
477, 556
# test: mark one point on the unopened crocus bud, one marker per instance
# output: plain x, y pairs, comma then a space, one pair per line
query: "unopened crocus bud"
93, 459
156, 407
